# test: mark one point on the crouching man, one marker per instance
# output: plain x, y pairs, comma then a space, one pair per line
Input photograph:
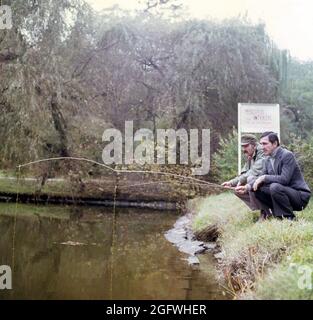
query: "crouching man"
281, 186
252, 169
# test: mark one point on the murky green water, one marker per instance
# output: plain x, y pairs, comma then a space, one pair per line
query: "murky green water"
72, 253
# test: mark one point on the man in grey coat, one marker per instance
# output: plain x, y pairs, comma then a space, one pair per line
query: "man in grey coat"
281, 186
250, 171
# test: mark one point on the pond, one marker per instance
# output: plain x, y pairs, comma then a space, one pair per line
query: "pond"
90, 253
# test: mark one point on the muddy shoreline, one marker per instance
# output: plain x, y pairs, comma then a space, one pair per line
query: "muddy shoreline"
182, 236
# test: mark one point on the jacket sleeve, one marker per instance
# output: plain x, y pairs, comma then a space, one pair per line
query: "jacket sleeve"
255, 170
263, 172
235, 181
264, 168
288, 168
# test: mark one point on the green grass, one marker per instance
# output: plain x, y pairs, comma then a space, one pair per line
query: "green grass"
224, 210
7, 173
29, 211
290, 279
256, 258
29, 187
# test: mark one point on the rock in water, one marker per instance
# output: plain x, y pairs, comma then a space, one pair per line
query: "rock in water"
193, 260
182, 237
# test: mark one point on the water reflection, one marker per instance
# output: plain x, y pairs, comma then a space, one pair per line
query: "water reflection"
66, 253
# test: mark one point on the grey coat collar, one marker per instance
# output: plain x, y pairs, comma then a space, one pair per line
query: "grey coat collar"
276, 153
277, 156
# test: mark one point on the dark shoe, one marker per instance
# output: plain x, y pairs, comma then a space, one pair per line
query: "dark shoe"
291, 218
264, 215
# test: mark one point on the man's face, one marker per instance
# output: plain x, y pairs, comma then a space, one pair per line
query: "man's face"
248, 150
267, 146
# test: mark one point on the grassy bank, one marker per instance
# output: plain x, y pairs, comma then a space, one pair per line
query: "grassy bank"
259, 260
35, 211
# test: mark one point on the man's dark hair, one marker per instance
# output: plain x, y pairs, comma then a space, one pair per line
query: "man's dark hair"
272, 137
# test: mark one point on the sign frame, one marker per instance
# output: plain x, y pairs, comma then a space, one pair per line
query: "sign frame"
275, 122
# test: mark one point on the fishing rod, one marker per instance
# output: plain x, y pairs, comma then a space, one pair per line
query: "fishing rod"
118, 171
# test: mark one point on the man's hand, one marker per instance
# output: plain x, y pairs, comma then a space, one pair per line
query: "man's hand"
226, 184
241, 189
258, 182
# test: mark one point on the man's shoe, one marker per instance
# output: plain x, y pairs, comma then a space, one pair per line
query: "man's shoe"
264, 215
291, 218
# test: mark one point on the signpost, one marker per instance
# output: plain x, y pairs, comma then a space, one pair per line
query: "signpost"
256, 118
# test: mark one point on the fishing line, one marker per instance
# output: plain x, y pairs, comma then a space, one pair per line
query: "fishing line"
15, 218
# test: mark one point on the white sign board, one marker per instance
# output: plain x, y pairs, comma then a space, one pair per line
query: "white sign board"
256, 118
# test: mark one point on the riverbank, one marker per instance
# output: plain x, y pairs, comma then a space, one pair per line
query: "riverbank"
259, 260
122, 190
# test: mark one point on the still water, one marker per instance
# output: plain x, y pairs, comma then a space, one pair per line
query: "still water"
85, 253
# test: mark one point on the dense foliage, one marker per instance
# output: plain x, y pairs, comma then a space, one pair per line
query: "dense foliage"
67, 73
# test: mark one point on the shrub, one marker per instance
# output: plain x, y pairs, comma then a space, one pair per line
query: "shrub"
224, 161
303, 150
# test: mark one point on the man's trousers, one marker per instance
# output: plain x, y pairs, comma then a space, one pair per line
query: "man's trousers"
250, 199
281, 199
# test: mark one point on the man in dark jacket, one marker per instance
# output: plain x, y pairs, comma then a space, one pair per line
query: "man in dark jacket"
281, 186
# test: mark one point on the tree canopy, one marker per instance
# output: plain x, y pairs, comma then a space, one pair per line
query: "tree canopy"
68, 72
